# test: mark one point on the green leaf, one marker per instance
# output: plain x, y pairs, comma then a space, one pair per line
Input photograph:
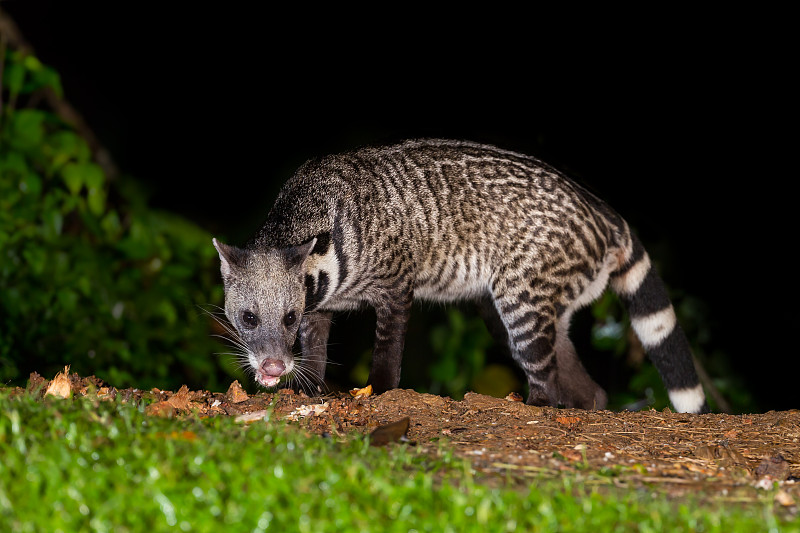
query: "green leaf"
111, 225
93, 175
68, 299
27, 128
14, 77
76, 175
32, 63
44, 77
137, 244
35, 258
73, 177
70, 203
97, 201
168, 312
65, 146
85, 285
31, 184
12, 301
53, 222
13, 163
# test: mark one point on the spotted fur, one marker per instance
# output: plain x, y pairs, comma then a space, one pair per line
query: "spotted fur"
447, 221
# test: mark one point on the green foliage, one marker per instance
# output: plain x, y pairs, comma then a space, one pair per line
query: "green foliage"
83, 465
610, 325
89, 275
459, 352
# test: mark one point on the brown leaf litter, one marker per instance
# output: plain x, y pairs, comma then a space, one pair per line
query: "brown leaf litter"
733, 457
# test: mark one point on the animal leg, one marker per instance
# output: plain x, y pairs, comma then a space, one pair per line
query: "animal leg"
576, 387
531, 332
393, 312
314, 330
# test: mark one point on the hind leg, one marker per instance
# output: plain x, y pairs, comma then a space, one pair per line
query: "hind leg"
529, 325
488, 312
576, 387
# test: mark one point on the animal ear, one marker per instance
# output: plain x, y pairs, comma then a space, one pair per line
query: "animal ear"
231, 258
296, 255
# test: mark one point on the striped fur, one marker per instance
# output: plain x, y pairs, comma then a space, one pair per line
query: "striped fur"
448, 221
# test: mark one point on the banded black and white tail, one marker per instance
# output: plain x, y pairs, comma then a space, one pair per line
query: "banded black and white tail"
653, 319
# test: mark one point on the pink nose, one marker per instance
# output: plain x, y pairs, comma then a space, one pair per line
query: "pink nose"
272, 367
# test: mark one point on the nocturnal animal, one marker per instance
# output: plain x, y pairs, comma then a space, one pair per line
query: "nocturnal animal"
445, 220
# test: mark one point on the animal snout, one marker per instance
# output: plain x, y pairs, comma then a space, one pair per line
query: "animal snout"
270, 372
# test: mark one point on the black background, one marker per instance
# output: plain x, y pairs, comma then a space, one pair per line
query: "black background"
684, 122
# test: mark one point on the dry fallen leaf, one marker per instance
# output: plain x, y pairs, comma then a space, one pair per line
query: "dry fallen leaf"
394, 432
236, 393
730, 455
35, 381
366, 391
307, 410
60, 386
180, 400
568, 420
573, 455
514, 397
774, 467
691, 467
255, 416
704, 451
784, 498
162, 409
106, 393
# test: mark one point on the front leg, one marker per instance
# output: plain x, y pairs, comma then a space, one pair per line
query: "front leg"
393, 311
310, 369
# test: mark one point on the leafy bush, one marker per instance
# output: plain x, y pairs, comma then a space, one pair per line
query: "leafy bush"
90, 276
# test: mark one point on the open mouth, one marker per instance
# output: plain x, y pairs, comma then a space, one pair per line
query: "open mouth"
269, 381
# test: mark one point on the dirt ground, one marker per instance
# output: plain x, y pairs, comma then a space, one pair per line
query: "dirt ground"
734, 458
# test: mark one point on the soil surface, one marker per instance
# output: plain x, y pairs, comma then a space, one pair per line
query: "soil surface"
736, 458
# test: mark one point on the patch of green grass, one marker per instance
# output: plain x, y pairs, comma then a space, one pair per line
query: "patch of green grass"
79, 465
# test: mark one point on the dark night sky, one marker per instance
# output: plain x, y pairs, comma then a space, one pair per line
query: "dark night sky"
684, 130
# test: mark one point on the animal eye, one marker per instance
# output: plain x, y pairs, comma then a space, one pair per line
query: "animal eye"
290, 318
250, 320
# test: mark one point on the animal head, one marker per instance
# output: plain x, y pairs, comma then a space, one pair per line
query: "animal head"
264, 301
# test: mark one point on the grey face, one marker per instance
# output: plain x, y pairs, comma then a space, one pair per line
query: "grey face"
264, 300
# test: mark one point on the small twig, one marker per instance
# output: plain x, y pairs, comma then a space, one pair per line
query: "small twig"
705, 431
526, 468
665, 480
708, 384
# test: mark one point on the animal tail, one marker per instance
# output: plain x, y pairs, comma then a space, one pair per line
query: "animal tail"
653, 319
